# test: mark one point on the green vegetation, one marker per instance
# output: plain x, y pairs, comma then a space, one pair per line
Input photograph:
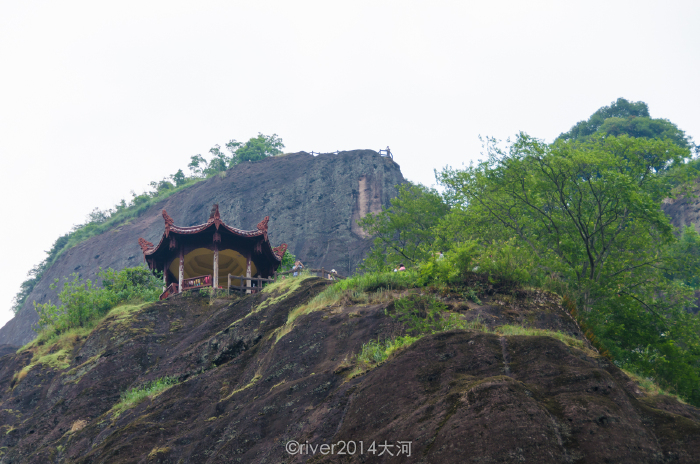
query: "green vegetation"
404, 231
532, 332
630, 118
54, 349
423, 314
376, 351
136, 395
288, 261
580, 217
99, 222
84, 303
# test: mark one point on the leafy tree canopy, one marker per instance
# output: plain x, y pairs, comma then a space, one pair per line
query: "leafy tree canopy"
589, 211
255, 149
404, 232
630, 118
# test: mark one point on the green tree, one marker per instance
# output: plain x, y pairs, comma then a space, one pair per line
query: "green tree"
623, 117
197, 166
617, 109
179, 178
218, 163
590, 210
255, 149
404, 232
590, 214
288, 260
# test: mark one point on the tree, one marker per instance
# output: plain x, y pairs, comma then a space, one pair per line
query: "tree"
590, 213
198, 165
630, 118
617, 109
588, 210
179, 178
255, 149
288, 260
218, 163
404, 232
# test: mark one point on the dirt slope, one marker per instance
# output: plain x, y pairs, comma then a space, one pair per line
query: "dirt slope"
459, 396
313, 203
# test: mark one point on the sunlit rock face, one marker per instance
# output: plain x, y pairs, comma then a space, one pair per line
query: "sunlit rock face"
313, 203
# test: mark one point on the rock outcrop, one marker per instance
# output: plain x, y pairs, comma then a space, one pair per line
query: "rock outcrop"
253, 379
313, 204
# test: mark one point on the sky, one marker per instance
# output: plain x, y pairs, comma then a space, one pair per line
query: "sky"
98, 99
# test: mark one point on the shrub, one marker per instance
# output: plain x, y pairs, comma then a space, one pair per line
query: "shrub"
136, 395
376, 351
424, 314
82, 302
506, 260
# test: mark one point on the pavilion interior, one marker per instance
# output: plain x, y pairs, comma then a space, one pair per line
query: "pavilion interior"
200, 262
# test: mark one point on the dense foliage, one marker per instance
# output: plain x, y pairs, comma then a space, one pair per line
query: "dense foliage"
581, 217
83, 301
630, 118
98, 221
404, 231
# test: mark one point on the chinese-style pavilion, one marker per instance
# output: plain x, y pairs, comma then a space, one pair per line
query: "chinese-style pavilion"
192, 257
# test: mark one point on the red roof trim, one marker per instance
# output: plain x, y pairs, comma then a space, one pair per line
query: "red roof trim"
214, 220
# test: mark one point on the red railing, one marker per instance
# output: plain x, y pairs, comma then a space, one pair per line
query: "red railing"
196, 282
170, 290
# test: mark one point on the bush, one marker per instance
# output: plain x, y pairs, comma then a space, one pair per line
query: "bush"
375, 351
82, 302
133, 397
423, 314
505, 260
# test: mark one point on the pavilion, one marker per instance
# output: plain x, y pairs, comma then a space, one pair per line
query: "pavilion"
194, 257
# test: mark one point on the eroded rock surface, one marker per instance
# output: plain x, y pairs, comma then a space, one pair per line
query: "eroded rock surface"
250, 385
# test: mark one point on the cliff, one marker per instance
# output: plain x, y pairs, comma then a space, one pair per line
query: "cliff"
313, 204
258, 372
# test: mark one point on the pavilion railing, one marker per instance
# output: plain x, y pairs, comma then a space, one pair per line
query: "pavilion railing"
196, 282
170, 290
256, 283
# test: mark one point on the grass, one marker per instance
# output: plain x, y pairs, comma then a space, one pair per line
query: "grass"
375, 352
367, 283
649, 387
136, 395
252, 382
55, 350
531, 332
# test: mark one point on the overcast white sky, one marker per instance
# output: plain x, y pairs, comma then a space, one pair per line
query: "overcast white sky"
100, 98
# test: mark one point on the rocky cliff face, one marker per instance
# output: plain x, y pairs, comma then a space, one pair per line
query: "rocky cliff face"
313, 204
684, 210
253, 379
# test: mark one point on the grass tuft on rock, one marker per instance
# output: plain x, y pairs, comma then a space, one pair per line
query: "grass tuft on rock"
133, 397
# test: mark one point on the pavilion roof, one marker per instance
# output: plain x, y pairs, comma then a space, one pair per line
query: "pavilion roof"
215, 223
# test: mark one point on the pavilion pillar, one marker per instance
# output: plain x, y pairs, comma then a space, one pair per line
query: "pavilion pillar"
247, 273
165, 276
182, 269
216, 266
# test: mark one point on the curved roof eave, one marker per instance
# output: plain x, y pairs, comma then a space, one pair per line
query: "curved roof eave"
214, 221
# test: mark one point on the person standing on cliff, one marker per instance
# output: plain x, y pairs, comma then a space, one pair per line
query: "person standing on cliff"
297, 267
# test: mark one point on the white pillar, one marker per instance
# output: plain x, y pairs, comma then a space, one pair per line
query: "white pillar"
216, 266
247, 273
182, 269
